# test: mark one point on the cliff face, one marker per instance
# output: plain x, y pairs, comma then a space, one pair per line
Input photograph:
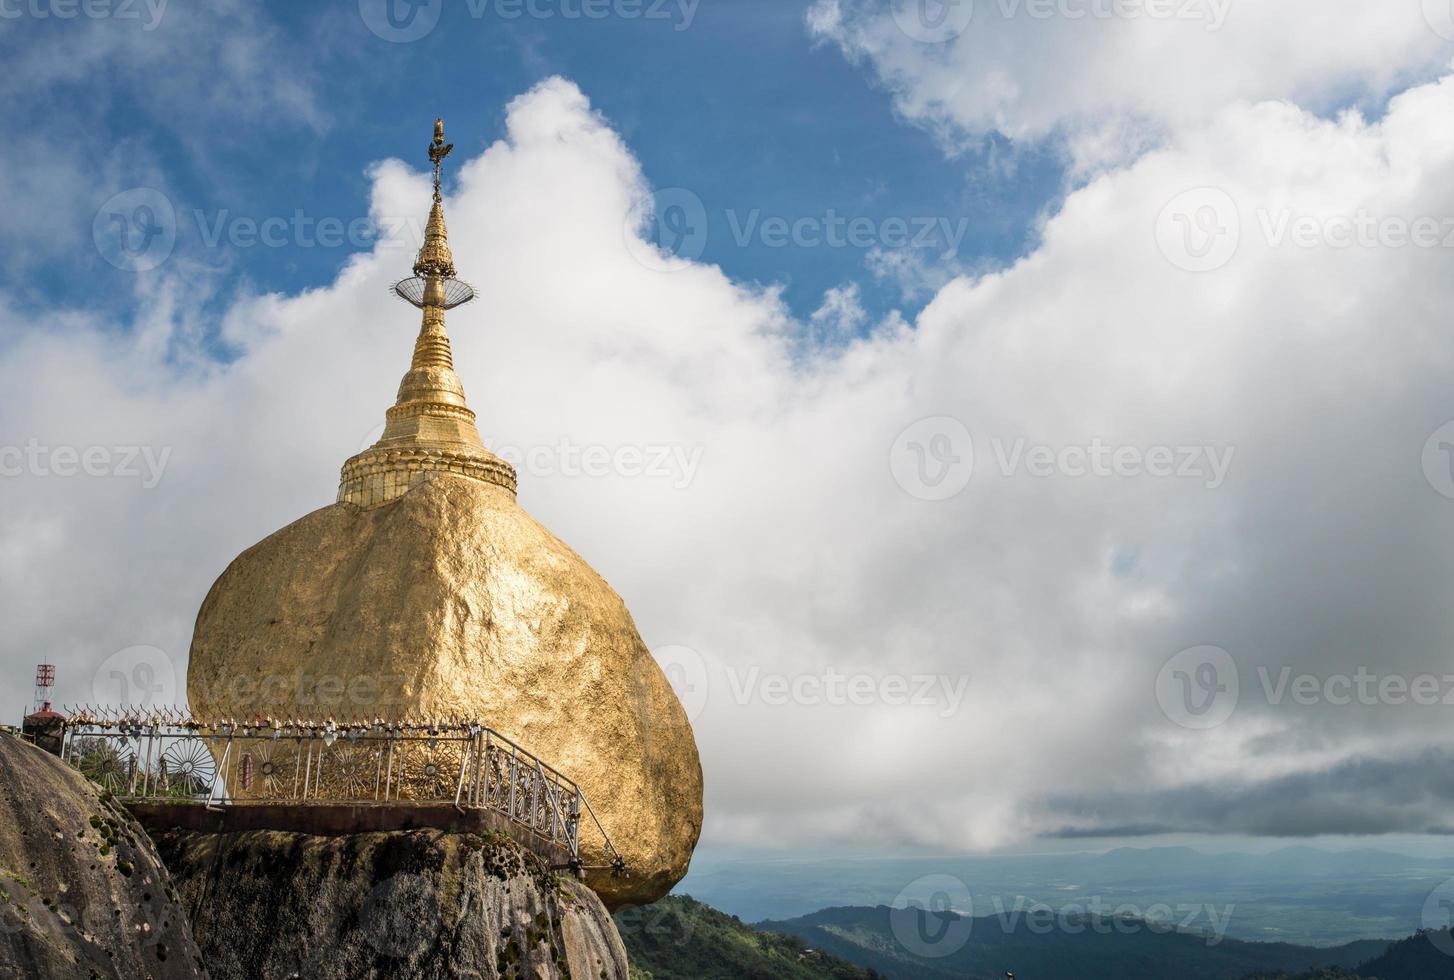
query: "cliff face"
408, 905
83, 895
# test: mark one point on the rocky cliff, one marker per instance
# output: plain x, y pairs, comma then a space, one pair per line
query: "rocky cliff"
83, 895
403, 906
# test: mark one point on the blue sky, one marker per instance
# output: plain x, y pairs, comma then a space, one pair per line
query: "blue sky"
808, 540
735, 102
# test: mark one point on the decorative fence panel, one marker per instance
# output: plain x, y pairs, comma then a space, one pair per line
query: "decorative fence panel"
159, 756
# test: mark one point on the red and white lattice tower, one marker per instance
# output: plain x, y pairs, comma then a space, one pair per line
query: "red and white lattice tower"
45, 679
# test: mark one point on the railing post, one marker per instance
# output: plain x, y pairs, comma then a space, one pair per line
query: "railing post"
489, 764
220, 774
535, 797
464, 764
513, 770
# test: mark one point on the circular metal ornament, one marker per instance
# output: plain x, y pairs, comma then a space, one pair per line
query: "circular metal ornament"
457, 292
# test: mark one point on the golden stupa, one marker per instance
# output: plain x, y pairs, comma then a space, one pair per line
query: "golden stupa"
426, 592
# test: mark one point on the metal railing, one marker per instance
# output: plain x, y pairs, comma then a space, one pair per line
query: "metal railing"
158, 755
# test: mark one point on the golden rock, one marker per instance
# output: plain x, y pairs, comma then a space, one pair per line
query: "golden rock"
426, 591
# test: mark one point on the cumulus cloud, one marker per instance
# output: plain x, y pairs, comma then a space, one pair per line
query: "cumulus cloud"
899, 610
1113, 75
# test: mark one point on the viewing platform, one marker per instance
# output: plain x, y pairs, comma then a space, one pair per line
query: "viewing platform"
172, 770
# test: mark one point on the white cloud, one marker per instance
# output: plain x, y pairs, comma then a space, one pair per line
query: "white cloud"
1111, 81
796, 547
840, 316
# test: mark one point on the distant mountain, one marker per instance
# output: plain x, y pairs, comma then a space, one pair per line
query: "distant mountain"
682, 939
1300, 895
1329, 973
907, 944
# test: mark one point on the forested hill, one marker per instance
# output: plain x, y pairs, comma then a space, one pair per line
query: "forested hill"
1426, 956
682, 939
679, 938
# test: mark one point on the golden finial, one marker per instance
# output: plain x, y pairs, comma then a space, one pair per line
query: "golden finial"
430, 426
434, 283
437, 152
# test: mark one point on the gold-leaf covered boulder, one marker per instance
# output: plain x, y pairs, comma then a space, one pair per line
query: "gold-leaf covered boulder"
426, 592
451, 601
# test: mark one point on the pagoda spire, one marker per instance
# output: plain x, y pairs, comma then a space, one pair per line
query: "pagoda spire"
430, 428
